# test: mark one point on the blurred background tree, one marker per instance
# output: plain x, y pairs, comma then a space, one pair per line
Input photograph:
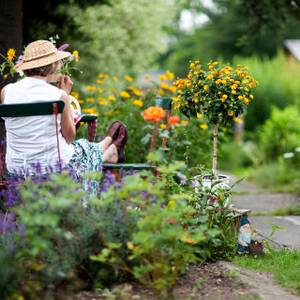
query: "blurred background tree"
233, 27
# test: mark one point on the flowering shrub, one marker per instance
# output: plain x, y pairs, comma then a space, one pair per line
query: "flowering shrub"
218, 92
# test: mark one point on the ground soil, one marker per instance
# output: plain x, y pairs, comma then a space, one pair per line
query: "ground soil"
211, 281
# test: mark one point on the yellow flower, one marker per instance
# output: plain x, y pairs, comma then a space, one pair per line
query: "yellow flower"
11, 54
138, 103
90, 88
238, 120
90, 111
251, 85
233, 92
203, 126
172, 89
103, 102
75, 95
163, 126
206, 87
175, 99
240, 97
75, 55
99, 81
137, 92
199, 116
111, 98
163, 77
192, 65
251, 97
230, 114
161, 92
124, 95
115, 78
90, 100
224, 97
164, 86
210, 76
188, 83
246, 100
223, 81
80, 101
170, 75
103, 76
184, 122
128, 78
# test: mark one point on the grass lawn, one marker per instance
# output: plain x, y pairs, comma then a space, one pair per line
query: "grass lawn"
283, 264
286, 211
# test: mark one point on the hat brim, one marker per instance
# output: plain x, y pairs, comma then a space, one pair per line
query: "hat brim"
43, 61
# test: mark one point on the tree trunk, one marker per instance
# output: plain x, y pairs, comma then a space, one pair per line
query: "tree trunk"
11, 20
215, 152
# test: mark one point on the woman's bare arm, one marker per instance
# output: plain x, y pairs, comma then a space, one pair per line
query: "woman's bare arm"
2, 95
68, 129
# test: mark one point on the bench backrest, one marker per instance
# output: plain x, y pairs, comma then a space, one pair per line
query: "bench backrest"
31, 109
165, 103
27, 110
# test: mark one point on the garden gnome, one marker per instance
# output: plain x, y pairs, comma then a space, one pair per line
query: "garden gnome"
244, 236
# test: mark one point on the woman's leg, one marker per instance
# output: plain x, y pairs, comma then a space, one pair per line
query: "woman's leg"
105, 143
111, 154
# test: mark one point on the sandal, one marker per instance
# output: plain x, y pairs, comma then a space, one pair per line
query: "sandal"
120, 143
113, 130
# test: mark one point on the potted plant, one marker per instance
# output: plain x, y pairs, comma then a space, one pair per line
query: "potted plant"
220, 93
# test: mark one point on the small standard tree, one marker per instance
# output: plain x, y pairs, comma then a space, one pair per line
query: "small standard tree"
220, 93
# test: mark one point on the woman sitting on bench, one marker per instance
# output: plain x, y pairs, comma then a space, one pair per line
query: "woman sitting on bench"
33, 140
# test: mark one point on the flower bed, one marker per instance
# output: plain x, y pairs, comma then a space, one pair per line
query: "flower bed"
146, 228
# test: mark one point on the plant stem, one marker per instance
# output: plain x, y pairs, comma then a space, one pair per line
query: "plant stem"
154, 135
215, 151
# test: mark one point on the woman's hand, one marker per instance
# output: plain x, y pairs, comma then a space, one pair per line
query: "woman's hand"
65, 83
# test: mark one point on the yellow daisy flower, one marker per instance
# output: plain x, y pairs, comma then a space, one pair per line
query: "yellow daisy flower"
11, 54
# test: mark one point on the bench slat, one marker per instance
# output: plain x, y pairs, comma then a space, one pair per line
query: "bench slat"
30, 109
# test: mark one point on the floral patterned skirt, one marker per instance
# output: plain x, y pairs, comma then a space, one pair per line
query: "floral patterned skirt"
87, 158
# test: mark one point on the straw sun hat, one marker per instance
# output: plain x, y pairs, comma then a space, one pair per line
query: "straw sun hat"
40, 53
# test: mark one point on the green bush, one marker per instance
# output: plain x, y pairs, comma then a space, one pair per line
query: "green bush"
278, 86
236, 155
281, 133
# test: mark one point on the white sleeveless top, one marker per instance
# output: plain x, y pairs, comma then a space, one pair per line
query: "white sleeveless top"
32, 140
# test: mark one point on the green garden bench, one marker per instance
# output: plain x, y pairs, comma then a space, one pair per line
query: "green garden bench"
39, 109
56, 107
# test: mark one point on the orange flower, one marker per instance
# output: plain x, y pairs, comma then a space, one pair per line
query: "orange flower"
154, 114
173, 120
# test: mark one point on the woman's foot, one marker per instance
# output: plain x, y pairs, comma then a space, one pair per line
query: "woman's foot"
111, 154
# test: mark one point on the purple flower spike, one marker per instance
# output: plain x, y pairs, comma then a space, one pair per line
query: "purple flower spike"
63, 47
